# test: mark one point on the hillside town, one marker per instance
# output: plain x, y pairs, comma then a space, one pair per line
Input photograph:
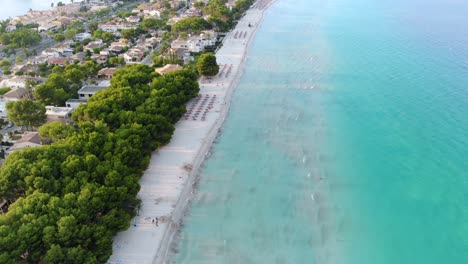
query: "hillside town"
100, 36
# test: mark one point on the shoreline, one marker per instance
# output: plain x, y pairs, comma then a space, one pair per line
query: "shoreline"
167, 184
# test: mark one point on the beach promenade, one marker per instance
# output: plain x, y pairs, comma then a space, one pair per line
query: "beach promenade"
167, 184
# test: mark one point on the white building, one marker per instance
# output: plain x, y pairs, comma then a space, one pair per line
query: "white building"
10, 28
135, 55
18, 82
61, 114
88, 91
82, 36
74, 103
116, 27
196, 43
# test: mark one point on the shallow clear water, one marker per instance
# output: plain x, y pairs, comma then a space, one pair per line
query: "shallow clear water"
346, 142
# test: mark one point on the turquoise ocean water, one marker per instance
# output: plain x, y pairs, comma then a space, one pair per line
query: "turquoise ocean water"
347, 140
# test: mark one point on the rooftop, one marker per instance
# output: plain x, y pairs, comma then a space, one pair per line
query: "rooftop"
17, 93
58, 111
168, 68
32, 137
91, 89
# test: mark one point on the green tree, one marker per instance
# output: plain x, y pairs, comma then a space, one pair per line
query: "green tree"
55, 131
4, 90
207, 65
152, 23
132, 33
63, 83
4, 63
59, 37
26, 113
93, 26
21, 38
73, 196
191, 24
199, 5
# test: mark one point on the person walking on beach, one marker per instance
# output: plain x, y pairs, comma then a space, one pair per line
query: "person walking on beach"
157, 221
152, 221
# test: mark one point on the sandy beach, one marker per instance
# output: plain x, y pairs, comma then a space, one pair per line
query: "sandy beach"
167, 184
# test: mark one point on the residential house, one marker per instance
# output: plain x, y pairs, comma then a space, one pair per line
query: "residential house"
61, 114
15, 95
38, 59
133, 19
18, 81
118, 46
180, 53
10, 28
74, 103
196, 43
88, 91
168, 68
64, 49
107, 73
231, 4
135, 54
50, 53
180, 44
49, 26
82, 36
97, 8
78, 56
64, 21
116, 49
151, 14
115, 27
105, 52
68, 9
94, 45
151, 43
28, 68
101, 59
28, 140
59, 61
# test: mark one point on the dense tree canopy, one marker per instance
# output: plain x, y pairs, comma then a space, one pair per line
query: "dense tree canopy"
132, 33
105, 36
63, 83
191, 24
217, 8
21, 38
73, 196
207, 65
54, 132
152, 23
26, 113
